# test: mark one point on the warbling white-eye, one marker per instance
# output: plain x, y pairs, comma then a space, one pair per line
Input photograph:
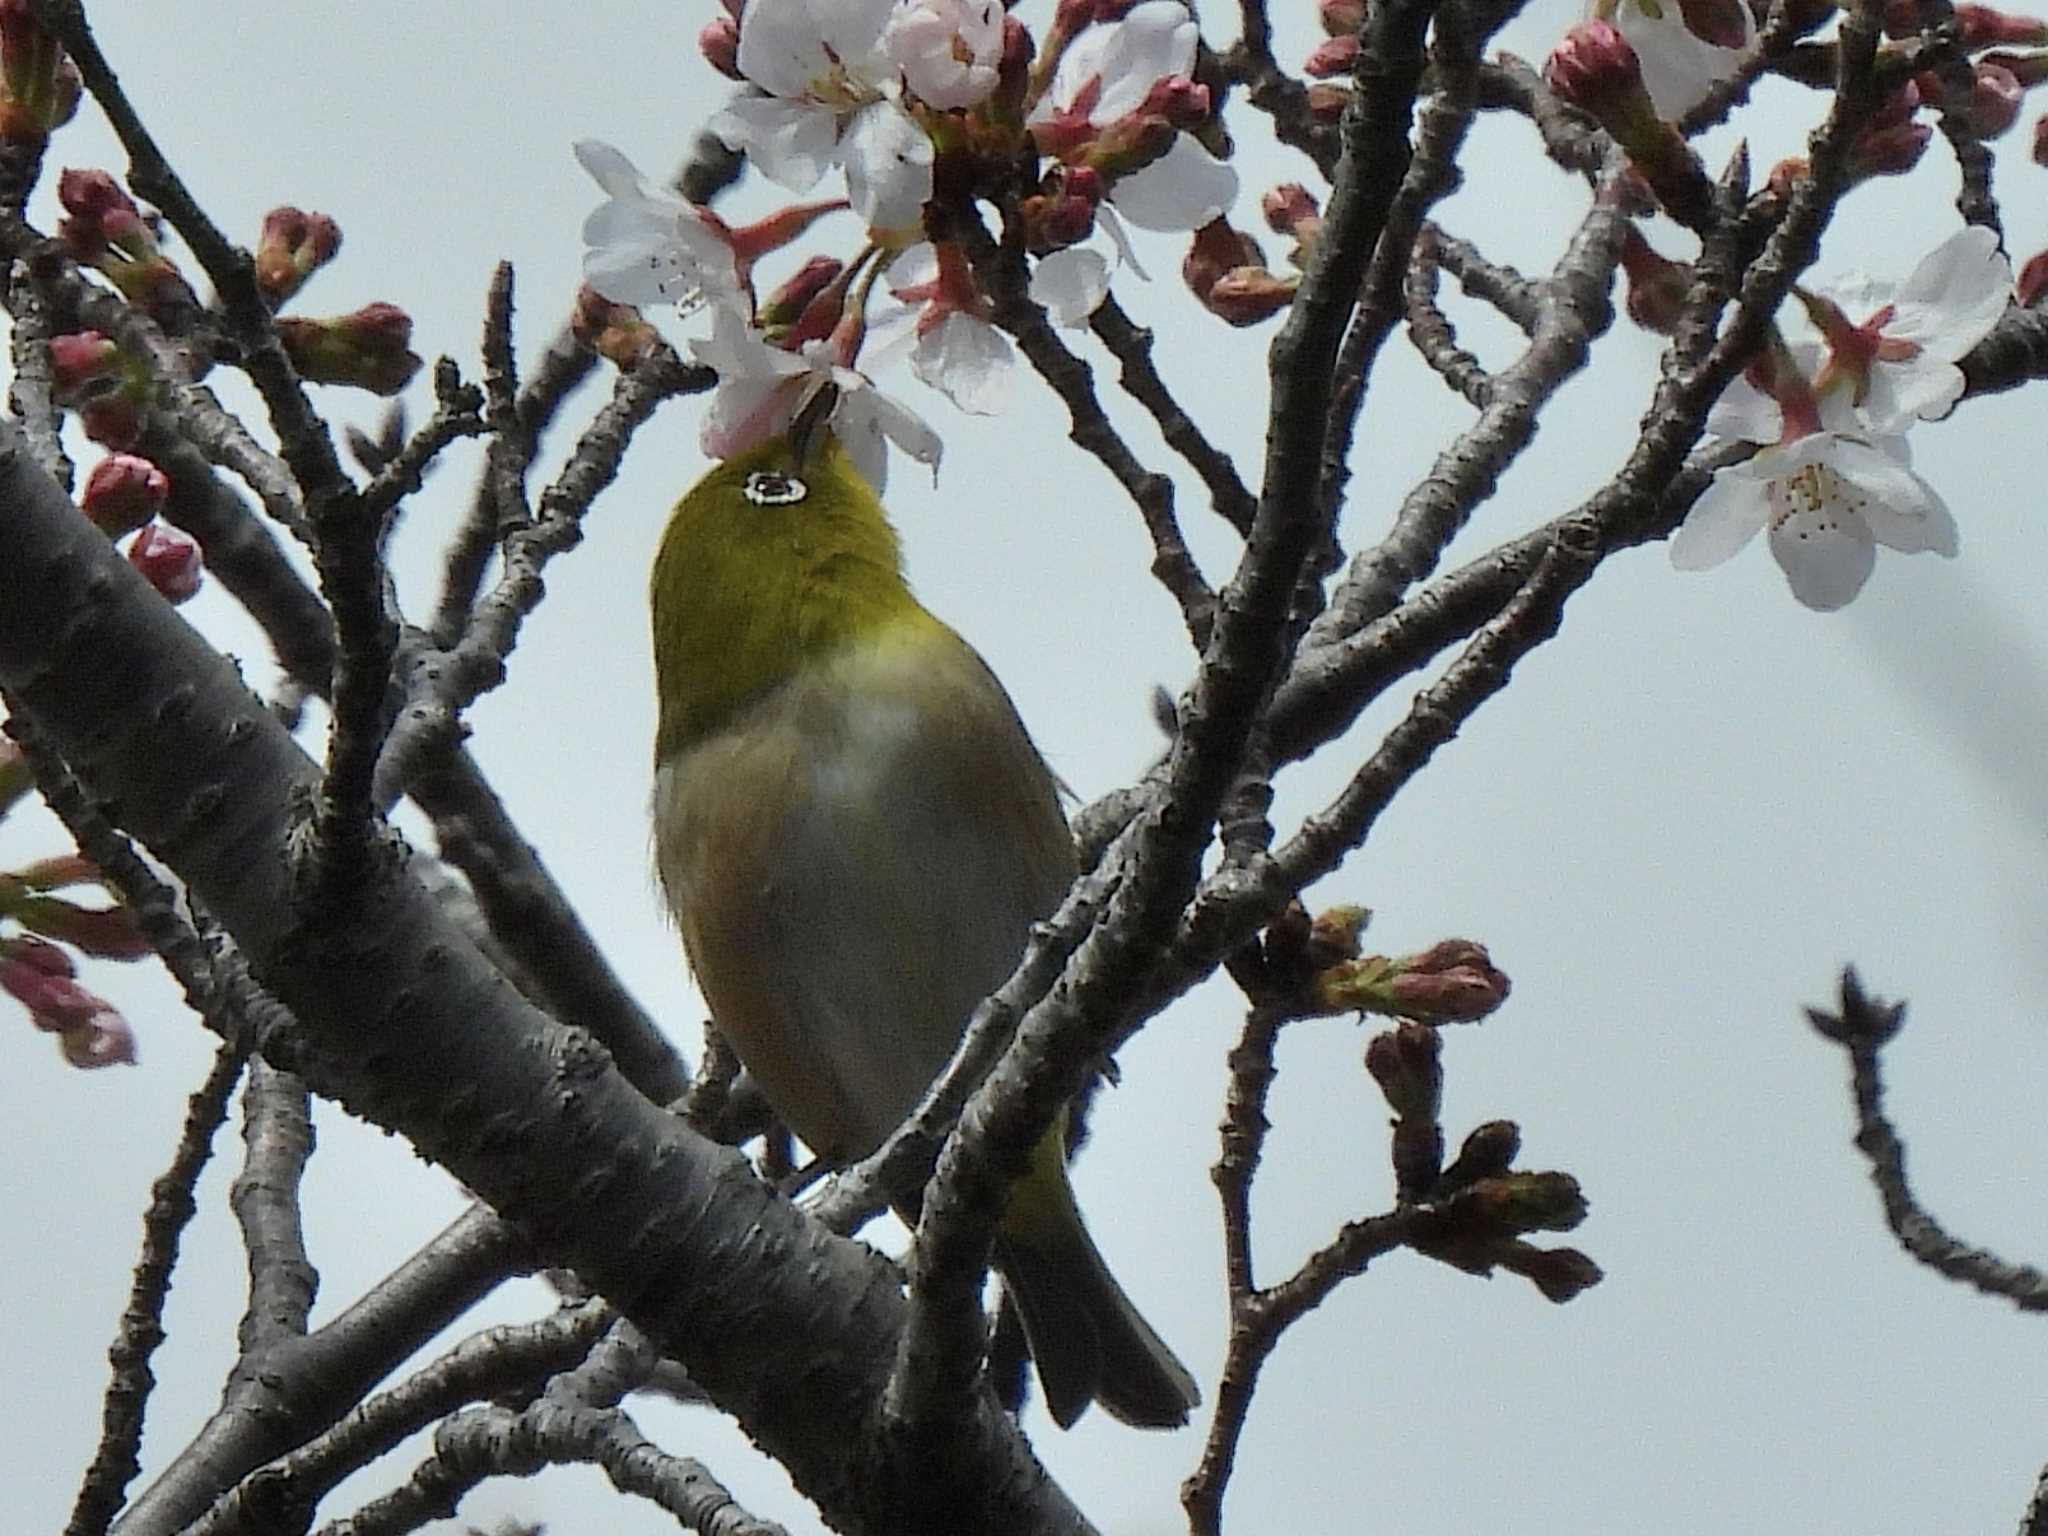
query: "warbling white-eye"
855, 835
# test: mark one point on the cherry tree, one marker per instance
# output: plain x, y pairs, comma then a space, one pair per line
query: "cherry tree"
910, 213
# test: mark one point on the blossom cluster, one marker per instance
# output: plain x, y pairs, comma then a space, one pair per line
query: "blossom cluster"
1827, 409
907, 112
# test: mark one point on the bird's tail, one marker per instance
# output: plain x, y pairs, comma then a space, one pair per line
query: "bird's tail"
1090, 1343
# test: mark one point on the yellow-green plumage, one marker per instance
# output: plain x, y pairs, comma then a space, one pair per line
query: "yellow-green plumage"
855, 834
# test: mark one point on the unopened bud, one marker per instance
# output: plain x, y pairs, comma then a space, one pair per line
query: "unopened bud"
293, 246
1407, 1063
1331, 57
1657, 287
719, 42
367, 348
1013, 68
1246, 295
1559, 1273
105, 230
42, 978
1718, 22
789, 302
1528, 1202
1452, 981
122, 493
1291, 209
1327, 100
615, 332
39, 86
1487, 1153
1340, 17
110, 391
169, 561
2033, 279
1217, 248
1984, 27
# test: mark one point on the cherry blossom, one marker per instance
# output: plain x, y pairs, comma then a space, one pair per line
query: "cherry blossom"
761, 388
1899, 363
1827, 489
1123, 74
830, 96
646, 245
947, 50
957, 351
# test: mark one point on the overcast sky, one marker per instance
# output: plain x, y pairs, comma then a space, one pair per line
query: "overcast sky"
1674, 828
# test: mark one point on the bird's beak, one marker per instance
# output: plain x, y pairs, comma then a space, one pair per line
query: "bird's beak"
810, 421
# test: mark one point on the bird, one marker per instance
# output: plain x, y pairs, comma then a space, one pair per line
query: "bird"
854, 833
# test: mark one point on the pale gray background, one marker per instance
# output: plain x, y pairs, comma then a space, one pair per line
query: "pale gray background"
1683, 817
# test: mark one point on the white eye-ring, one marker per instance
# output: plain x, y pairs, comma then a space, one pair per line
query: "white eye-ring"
767, 488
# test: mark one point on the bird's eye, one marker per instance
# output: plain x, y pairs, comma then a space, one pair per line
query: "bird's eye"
766, 488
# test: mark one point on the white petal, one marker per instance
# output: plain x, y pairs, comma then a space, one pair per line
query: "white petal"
744, 412
1902, 510
734, 350
781, 48
1746, 413
609, 167
906, 429
1726, 517
1151, 42
789, 142
1070, 285
852, 29
967, 360
888, 167
1183, 189
1826, 554
1112, 226
914, 266
1958, 292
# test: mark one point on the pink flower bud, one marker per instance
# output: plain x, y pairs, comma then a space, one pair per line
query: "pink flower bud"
293, 246
1887, 151
123, 492
790, 302
1407, 1064
1246, 295
168, 560
1984, 27
1013, 69
1215, 250
719, 42
1996, 100
1288, 207
2033, 279
1595, 70
1341, 17
1331, 57
41, 977
39, 86
367, 348
1451, 981
108, 390
1327, 101
1719, 22
1657, 287
615, 332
